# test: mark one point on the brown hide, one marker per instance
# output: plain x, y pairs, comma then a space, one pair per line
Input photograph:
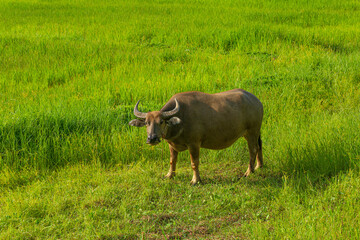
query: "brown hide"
213, 121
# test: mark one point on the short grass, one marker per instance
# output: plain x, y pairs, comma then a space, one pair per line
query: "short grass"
71, 72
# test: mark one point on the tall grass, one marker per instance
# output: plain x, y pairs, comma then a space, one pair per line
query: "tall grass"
71, 72
69, 81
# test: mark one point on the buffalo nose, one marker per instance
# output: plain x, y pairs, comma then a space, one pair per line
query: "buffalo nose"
152, 139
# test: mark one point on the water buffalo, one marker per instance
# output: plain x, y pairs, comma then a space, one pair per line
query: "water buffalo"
194, 120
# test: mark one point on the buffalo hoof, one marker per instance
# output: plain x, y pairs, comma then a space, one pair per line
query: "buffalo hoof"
169, 175
247, 173
195, 183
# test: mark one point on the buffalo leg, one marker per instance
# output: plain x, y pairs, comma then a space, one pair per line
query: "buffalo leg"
194, 155
173, 158
259, 157
253, 145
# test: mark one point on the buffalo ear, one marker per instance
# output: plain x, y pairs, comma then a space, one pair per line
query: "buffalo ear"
173, 121
137, 123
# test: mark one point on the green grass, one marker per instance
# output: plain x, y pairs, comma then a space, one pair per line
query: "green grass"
71, 72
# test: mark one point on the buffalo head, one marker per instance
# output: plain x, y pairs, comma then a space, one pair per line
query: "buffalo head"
157, 123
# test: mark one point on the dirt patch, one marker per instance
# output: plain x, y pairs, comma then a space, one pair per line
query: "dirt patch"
205, 229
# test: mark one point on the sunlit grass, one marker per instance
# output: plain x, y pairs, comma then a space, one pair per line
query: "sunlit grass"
71, 72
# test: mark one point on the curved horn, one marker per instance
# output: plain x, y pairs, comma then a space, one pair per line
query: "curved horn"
137, 112
170, 113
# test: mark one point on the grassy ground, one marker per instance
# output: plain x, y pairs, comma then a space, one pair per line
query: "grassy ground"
71, 72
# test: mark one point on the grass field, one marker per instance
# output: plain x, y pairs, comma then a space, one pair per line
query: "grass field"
72, 71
